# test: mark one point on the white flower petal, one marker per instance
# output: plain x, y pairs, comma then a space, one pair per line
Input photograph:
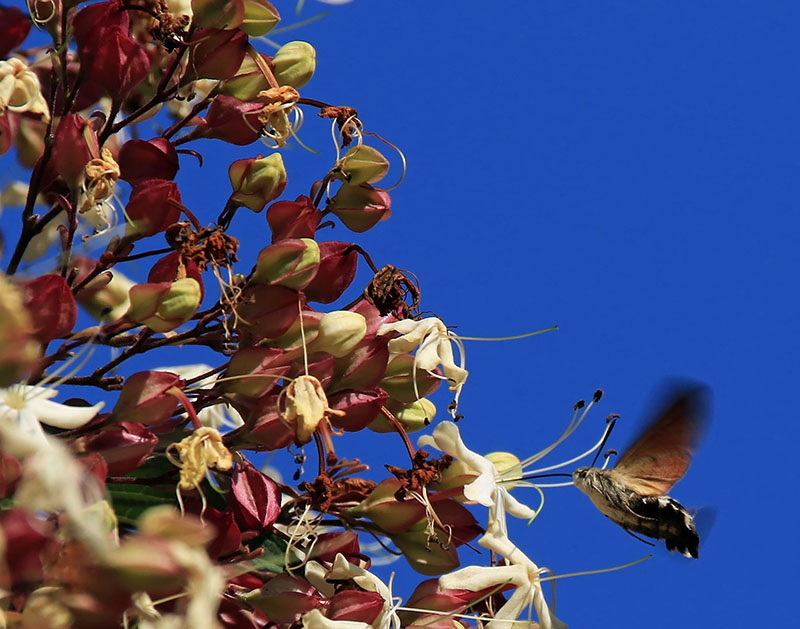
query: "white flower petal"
315, 620
63, 416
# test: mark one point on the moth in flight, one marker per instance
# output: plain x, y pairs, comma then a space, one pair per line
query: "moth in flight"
634, 492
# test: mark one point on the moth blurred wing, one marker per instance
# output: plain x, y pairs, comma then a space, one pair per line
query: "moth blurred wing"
662, 454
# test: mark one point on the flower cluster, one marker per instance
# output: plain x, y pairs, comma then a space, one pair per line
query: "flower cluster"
136, 502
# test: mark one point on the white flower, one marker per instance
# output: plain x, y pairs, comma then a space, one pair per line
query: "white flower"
486, 489
315, 620
30, 406
20, 89
433, 340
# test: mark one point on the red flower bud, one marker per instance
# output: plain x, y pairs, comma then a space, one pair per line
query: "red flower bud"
96, 465
293, 219
355, 605
285, 598
267, 311
124, 445
14, 28
144, 397
265, 428
230, 120
257, 180
361, 206
154, 159
364, 367
74, 144
218, 13
360, 408
52, 309
215, 54
336, 271
119, 64
10, 473
255, 498
149, 207
328, 545
24, 541
259, 368
291, 263
169, 269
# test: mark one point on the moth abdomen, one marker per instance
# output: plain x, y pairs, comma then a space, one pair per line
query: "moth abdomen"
665, 518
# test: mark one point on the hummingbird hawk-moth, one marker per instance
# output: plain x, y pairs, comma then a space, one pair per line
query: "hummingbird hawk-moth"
634, 492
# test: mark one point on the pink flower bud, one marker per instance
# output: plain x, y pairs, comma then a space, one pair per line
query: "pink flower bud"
360, 408
74, 144
124, 445
337, 269
255, 498
215, 54
293, 219
257, 181
144, 397
150, 209
291, 263
361, 206
51, 305
152, 159
164, 306
230, 120
14, 28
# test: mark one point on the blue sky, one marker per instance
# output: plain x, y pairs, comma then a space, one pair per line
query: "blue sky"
625, 170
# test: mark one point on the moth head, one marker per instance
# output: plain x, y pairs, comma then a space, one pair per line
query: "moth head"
582, 477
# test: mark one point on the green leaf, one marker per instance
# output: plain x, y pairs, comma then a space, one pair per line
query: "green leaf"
274, 557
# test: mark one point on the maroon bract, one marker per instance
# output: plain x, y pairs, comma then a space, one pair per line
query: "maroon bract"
149, 207
364, 367
328, 545
266, 312
215, 54
145, 398
10, 473
337, 269
51, 307
293, 219
360, 408
255, 498
355, 605
14, 28
152, 159
119, 64
230, 120
285, 598
74, 144
254, 371
124, 445
171, 267
25, 538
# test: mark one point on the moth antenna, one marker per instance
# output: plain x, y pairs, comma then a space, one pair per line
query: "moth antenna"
611, 420
608, 454
644, 541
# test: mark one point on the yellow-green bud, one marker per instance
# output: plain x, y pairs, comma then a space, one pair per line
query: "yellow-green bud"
363, 164
260, 17
257, 181
164, 307
339, 333
247, 82
295, 63
414, 416
292, 263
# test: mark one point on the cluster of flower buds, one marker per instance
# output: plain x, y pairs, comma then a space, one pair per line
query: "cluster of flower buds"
135, 501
